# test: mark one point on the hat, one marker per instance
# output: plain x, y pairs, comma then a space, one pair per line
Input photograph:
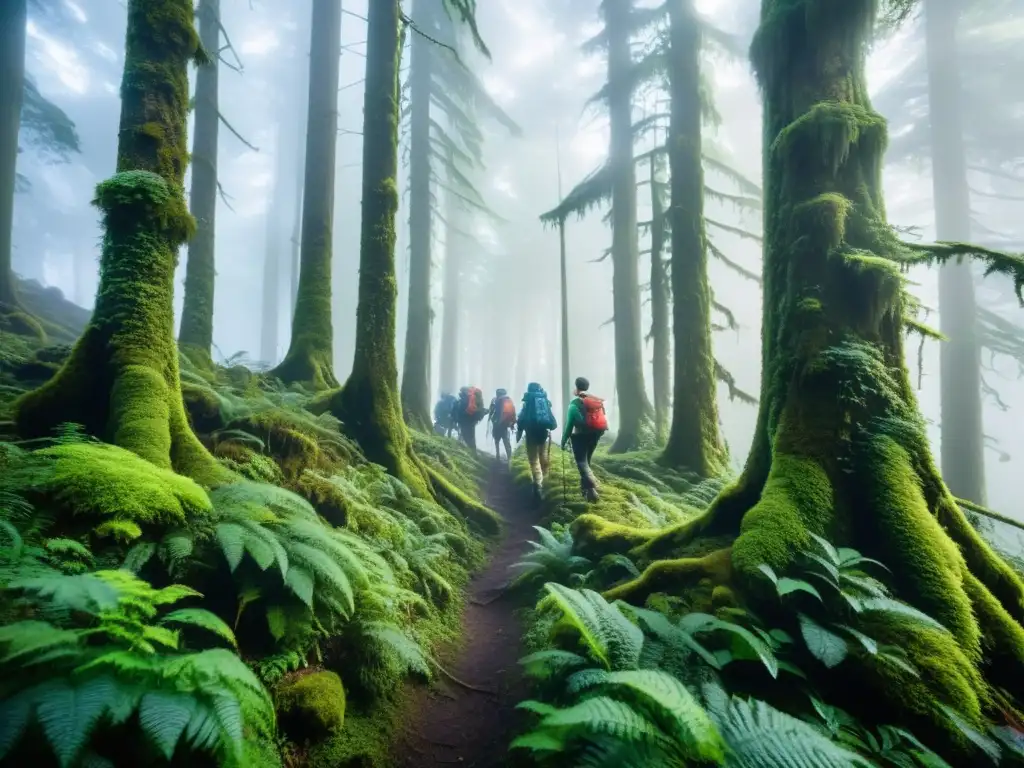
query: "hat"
582, 383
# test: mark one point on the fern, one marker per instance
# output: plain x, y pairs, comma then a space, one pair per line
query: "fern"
608, 637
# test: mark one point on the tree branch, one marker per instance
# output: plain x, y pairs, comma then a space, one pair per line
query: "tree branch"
238, 136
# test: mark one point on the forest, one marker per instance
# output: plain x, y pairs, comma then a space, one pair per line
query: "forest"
742, 283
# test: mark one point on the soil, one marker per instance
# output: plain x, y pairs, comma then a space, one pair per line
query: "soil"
448, 723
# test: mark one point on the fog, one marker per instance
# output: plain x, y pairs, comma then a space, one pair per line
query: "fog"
509, 286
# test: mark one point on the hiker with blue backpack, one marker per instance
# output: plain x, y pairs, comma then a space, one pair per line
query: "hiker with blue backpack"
585, 423
444, 414
536, 420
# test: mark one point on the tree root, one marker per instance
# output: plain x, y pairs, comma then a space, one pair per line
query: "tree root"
460, 683
675, 575
484, 520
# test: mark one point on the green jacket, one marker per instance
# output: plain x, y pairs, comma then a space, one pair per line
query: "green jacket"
573, 418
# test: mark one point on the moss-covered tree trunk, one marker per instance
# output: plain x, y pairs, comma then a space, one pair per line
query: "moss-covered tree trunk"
450, 298
635, 410
369, 403
310, 357
13, 22
563, 268
840, 448
661, 346
196, 334
121, 380
416, 366
694, 442
963, 447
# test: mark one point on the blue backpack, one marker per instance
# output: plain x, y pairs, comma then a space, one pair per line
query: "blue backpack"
538, 411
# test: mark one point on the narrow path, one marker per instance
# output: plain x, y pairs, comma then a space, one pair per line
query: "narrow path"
448, 724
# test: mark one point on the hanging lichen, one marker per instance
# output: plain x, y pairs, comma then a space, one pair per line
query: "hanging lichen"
121, 381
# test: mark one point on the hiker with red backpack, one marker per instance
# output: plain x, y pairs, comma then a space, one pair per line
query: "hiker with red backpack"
585, 423
536, 419
502, 416
469, 411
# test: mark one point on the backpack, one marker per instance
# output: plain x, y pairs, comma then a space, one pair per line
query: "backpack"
507, 413
474, 405
538, 411
594, 417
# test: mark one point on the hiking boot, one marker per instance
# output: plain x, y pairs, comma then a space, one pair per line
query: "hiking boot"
590, 494
538, 496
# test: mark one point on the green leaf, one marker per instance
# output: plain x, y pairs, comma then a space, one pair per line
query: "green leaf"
702, 622
985, 744
138, 556
786, 586
14, 715
198, 617
868, 643
827, 647
538, 741
769, 572
163, 716
830, 551
889, 605
68, 713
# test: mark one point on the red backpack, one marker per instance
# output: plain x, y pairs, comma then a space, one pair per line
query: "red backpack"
507, 412
594, 417
474, 399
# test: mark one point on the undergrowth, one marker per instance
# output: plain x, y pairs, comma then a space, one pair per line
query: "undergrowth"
314, 583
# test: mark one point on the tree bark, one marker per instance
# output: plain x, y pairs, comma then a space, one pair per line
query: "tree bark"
311, 351
840, 449
416, 367
13, 24
270, 315
963, 446
454, 244
635, 410
662, 348
121, 380
196, 334
694, 442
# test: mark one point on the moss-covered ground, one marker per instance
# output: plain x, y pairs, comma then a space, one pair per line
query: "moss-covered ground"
405, 560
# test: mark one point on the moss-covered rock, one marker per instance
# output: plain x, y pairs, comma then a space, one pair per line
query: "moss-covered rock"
311, 707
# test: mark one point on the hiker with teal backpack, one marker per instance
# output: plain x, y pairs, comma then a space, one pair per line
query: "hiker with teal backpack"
536, 420
444, 414
585, 423
502, 416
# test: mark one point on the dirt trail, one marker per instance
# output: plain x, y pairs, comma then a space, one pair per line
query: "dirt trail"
448, 724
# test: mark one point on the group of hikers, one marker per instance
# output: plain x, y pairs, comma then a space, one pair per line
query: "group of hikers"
585, 423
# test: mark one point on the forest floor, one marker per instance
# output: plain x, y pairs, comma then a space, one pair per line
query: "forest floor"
448, 723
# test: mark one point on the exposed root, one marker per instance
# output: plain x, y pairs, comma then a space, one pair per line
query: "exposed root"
460, 683
484, 520
674, 576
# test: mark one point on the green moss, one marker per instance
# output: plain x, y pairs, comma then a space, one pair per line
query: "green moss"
311, 706
107, 484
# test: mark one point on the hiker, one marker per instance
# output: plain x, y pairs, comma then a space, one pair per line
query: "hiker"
444, 414
536, 420
502, 416
585, 422
469, 411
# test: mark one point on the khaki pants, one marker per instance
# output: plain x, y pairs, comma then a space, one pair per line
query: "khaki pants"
538, 451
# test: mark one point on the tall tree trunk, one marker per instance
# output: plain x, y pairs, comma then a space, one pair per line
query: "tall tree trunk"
121, 380
454, 243
963, 447
840, 449
13, 25
196, 334
270, 315
634, 407
311, 351
295, 241
659, 307
416, 368
694, 442
369, 403
567, 382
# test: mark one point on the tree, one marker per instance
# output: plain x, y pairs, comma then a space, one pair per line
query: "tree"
840, 449
634, 406
121, 380
446, 101
694, 441
369, 404
310, 356
196, 334
13, 20
963, 447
